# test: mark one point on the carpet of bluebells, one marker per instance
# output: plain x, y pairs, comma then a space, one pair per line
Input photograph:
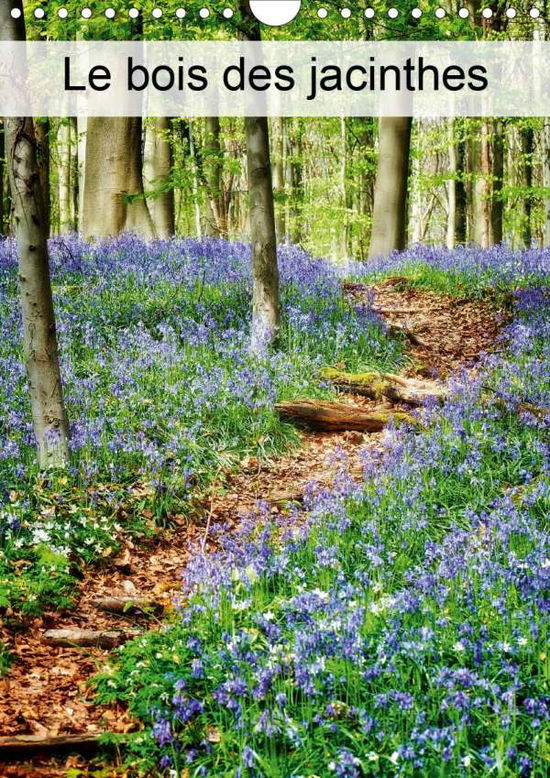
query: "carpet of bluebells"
394, 628
161, 388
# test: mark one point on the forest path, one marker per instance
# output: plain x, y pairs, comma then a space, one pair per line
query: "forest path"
46, 692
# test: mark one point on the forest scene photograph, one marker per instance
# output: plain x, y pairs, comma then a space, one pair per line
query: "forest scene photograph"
274, 421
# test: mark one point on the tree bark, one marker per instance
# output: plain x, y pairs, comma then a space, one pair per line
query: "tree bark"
13, 745
217, 223
114, 199
485, 186
334, 417
157, 172
546, 178
2, 169
461, 221
130, 606
527, 149
279, 178
451, 187
378, 385
42, 134
89, 637
75, 172
389, 217
39, 333
295, 151
497, 205
65, 144
265, 271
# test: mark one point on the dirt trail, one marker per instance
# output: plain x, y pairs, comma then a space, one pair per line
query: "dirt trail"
46, 691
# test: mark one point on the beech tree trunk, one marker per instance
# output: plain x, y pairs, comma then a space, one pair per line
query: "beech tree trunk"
265, 271
213, 170
279, 178
545, 138
485, 188
157, 172
65, 145
81, 127
451, 187
457, 220
42, 134
527, 149
2, 166
497, 208
295, 151
546, 178
461, 220
389, 218
39, 334
114, 199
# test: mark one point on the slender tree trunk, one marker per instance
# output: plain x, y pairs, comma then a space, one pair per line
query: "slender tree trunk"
65, 143
461, 197
2, 168
39, 334
265, 305
546, 178
416, 199
195, 178
527, 149
366, 144
81, 126
265, 271
75, 173
545, 138
279, 177
497, 210
297, 182
114, 199
157, 172
476, 187
217, 221
344, 227
42, 134
485, 204
451, 187
389, 218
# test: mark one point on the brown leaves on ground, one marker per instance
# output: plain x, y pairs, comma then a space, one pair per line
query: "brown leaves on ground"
453, 331
47, 689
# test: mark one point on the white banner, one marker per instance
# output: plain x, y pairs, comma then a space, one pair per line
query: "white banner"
314, 78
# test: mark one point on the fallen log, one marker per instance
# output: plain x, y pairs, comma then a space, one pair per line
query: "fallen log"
26, 744
334, 417
131, 606
377, 385
89, 637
